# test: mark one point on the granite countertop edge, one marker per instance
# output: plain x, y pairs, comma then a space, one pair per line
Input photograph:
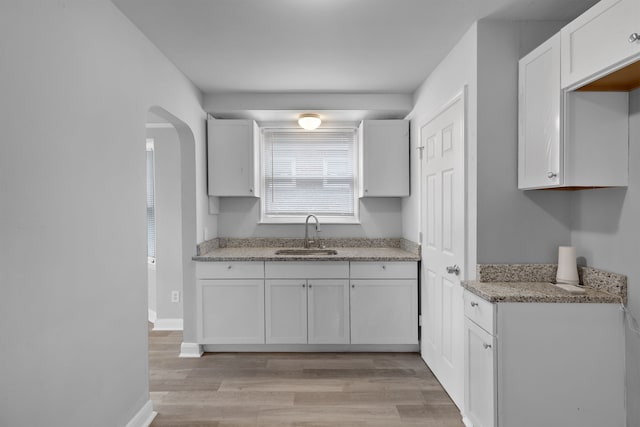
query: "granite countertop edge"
344, 254
535, 292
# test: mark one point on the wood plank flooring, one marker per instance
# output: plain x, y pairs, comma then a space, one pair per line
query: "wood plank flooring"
294, 389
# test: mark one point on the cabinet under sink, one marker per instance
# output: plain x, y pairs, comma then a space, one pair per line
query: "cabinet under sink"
330, 305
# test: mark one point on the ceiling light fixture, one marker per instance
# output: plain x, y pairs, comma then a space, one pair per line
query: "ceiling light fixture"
309, 121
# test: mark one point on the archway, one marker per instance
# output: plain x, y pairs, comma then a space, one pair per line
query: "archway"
177, 238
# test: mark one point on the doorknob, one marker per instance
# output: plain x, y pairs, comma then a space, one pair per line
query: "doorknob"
453, 269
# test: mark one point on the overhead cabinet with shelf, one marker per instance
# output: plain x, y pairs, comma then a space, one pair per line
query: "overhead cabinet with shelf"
384, 158
568, 139
603, 39
233, 158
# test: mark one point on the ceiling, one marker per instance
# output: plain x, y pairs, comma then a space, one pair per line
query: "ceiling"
319, 46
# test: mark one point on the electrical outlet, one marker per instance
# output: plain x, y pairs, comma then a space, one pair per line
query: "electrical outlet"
175, 296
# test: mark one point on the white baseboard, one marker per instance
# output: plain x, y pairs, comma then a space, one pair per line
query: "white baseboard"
168, 325
467, 422
190, 349
152, 316
315, 348
144, 417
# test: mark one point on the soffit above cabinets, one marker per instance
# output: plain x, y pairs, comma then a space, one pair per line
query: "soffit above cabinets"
334, 109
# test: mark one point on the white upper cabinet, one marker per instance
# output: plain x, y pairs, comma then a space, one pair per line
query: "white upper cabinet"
604, 38
568, 139
233, 157
384, 158
539, 127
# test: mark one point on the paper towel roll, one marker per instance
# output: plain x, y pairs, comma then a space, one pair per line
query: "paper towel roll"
567, 267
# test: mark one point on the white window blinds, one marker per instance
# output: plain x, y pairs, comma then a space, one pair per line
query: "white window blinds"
309, 172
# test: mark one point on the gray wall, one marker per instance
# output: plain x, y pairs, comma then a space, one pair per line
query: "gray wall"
168, 221
606, 232
456, 73
503, 223
379, 217
77, 81
513, 226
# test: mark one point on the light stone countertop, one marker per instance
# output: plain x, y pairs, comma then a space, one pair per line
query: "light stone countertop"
269, 254
535, 292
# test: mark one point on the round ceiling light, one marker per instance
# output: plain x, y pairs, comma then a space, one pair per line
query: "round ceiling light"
309, 121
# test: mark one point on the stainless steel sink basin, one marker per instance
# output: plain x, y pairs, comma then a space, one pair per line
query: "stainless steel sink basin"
303, 251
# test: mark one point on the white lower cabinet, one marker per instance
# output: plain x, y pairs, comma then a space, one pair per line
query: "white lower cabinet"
384, 303
230, 302
307, 311
384, 312
480, 393
328, 311
286, 311
231, 311
307, 302
543, 364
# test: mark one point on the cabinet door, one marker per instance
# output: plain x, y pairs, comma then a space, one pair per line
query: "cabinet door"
384, 157
480, 380
231, 311
232, 157
286, 311
328, 303
598, 41
384, 312
539, 120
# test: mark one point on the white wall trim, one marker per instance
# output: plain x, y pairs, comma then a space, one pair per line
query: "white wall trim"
467, 422
153, 316
144, 417
168, 325
190, 349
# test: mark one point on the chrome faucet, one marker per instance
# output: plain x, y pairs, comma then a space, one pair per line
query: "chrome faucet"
308, 242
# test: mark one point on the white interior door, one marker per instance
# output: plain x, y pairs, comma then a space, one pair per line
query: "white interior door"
443, 246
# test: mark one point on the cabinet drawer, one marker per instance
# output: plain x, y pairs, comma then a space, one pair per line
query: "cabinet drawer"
230, 270
480, 311
307, 270
384, 270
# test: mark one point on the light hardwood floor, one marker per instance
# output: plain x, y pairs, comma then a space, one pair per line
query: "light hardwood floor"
294, 389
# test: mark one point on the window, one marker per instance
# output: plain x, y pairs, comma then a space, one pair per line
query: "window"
309, 172
151, 203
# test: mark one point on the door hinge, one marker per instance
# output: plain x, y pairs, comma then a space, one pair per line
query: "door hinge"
420, 150
420, 237
420, 320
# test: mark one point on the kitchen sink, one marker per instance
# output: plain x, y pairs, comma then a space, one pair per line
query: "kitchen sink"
304, 251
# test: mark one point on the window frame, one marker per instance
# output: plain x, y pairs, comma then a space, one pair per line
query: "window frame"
152, 239
300, 219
